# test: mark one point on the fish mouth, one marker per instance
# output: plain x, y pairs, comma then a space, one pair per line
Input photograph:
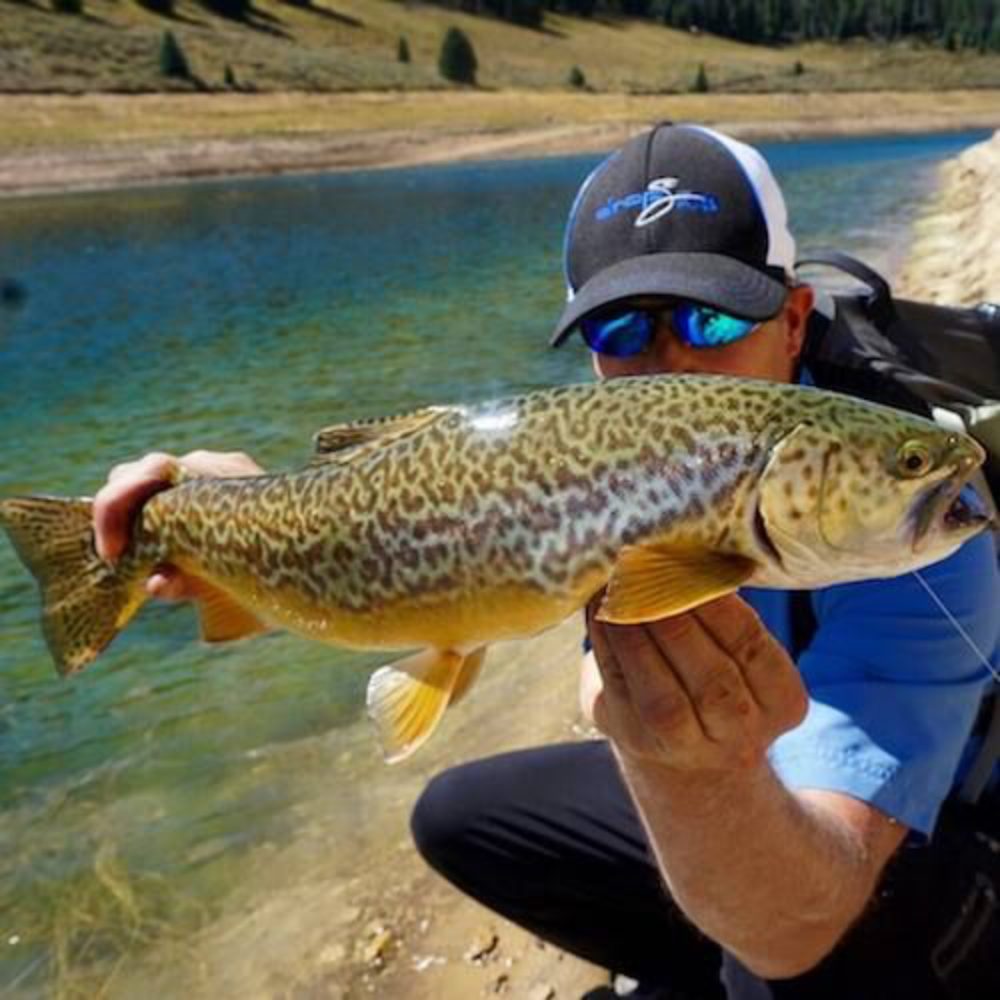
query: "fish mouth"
961, 513
955, 513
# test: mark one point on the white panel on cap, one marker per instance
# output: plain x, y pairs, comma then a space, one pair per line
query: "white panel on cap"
780, 242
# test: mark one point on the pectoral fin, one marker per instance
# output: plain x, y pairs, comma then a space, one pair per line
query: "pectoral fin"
650, 582
407, 699
222, 619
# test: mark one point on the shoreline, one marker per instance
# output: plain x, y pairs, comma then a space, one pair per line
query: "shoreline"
216, 137
366, 916
955, 257
371, 918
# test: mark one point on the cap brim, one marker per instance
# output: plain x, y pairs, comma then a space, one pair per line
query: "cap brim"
712, 279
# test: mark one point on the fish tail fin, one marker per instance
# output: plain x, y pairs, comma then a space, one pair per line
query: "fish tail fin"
85, 600
407, 699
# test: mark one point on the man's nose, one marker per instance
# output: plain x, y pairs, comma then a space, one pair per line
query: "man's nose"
668, 353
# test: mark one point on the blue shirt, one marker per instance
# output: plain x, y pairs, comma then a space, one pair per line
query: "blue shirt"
893, 686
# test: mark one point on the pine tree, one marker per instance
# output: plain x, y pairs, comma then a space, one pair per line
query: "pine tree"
952, 23
237, 10
526, 12
576, 78
173, 61
403, 50
457, 61
700, 85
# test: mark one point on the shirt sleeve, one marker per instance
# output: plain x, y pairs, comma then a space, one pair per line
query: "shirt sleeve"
894, 686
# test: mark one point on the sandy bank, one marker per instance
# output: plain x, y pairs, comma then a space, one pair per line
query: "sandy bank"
58, 143
346, 908
955, 257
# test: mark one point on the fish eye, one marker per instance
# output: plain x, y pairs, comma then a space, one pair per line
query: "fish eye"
914, 459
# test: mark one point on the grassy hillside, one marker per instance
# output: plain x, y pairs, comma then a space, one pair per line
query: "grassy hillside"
349, 45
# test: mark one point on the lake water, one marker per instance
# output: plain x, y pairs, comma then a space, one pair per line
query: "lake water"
247, 314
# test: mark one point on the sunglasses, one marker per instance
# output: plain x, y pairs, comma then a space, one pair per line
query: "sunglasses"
624, 333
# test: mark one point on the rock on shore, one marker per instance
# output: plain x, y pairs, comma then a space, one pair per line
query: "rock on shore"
955, 258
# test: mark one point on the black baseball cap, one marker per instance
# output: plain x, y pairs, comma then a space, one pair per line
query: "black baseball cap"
680, 210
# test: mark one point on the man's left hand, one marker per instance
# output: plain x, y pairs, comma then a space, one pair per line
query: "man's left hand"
707, 690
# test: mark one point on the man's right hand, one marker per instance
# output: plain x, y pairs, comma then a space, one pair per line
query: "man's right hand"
131, 484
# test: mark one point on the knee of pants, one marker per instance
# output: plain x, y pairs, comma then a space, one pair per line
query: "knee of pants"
441, 819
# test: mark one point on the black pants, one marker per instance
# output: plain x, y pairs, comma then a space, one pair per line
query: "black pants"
549, 839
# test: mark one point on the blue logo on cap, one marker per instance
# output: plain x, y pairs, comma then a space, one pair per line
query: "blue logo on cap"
659, 199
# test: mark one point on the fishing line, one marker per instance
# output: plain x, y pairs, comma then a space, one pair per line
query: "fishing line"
961, 631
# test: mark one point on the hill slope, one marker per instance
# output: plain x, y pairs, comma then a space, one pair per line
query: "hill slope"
348, 45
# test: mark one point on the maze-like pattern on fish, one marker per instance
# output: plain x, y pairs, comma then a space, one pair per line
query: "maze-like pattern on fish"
538, 492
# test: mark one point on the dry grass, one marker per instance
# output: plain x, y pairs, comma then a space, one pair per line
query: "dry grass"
35, 122
351, 45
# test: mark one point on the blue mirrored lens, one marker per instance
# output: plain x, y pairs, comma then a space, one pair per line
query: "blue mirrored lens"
701, 326
620, 335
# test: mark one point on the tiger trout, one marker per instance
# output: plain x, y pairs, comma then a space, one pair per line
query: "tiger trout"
449, 528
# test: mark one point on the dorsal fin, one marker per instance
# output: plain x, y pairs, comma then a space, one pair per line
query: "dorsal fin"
346, 442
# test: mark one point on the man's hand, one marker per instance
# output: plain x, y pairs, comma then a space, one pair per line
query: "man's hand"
691, 705
708, 690
131, 484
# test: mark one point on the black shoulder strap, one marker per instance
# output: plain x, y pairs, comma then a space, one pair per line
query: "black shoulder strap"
918, 356
852, 266
803, 621
915, 356
880, 303
981, 770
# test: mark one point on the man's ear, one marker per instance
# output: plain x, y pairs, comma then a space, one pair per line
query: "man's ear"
798, 306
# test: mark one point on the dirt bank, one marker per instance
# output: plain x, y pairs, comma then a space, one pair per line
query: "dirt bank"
57, 143
345, 908
955, 257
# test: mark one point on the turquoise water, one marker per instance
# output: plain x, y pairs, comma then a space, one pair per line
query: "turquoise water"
245, 315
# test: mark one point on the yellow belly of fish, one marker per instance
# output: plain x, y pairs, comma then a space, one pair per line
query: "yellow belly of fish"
461, 620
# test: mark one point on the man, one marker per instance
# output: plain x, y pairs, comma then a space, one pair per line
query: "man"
745, 812
762, 809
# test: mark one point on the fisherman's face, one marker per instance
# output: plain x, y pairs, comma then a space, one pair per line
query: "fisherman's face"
769, 352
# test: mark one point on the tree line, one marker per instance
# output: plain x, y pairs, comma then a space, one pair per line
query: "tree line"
953, 24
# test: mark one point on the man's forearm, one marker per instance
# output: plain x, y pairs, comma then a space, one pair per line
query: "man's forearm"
773, 879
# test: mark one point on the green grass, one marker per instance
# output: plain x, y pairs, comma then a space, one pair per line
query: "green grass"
351, 45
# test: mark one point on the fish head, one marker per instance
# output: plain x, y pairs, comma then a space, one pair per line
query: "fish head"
860, 491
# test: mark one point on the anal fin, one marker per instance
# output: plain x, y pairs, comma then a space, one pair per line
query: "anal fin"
650, 582
406, 699
222, 618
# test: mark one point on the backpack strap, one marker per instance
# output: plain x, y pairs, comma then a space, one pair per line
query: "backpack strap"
880, 303
803, 622
894, 373
981, 769
852, 266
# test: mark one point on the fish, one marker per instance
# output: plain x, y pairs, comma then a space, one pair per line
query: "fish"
443, 530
